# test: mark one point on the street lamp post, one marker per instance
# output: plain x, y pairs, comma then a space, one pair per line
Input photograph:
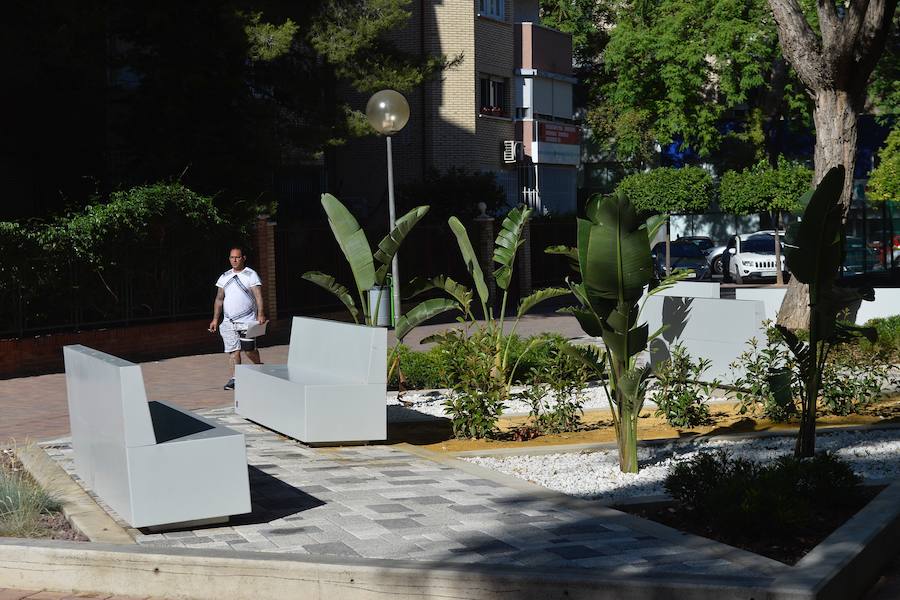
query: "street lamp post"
388, 113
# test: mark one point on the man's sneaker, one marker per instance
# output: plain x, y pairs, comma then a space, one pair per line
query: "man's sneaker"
230, 384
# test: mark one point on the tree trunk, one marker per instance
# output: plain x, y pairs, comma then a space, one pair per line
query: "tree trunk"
835, 118
779, 275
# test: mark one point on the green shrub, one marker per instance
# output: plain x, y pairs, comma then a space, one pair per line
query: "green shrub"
740, 498
562, 375
679, 392
888, 341
852, 378
22, 503
420, 370
477, 397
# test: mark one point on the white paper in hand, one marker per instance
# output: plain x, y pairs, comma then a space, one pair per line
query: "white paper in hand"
256, 330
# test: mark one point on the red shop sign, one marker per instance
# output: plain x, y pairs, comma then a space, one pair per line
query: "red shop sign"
558, 133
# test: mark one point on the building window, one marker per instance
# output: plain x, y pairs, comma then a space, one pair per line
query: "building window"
491, 8
493, 97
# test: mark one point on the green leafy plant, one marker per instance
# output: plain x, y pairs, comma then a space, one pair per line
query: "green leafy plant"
888, 340
369, 270
741, 498
852, 379
556, 391
760, 384
680, 394
615, 267
22, 501
814, 255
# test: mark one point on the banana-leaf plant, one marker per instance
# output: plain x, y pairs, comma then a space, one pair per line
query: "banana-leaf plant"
815, 252
613, 260
369, 269
506, 246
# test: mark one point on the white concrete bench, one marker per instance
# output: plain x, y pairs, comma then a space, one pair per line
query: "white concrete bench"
331, 390
151, 462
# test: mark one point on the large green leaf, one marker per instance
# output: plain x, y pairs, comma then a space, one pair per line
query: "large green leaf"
469, 257
539, 296
352, 241
455, 290
613, 252
421, 313
507, 244
389, 245
570, 253
817, 256
592, 357
329, 283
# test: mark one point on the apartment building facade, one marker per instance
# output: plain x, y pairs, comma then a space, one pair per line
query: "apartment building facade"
505, 108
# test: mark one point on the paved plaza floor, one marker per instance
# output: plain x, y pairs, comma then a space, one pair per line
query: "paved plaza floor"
393, 502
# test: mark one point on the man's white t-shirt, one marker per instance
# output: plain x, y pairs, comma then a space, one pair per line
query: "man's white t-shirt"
240, 304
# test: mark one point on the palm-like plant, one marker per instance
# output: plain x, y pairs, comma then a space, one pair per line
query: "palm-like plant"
369, 270
506, 246
613, 258
814, 255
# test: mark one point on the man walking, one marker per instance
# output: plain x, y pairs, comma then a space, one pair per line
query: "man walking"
240, 295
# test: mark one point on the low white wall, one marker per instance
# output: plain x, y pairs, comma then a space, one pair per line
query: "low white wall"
886, 303
770, 297
693, 289
709, 328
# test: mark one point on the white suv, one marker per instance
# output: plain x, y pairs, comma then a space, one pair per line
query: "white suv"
752, 256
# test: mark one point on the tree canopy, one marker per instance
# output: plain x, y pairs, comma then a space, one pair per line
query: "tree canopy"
669, 190
764, 189
884, 181
216, 95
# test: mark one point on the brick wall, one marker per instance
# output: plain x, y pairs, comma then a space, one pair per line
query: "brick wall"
43, 354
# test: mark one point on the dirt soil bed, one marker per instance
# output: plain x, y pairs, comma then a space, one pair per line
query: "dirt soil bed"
786, 549
53, 526
597, 428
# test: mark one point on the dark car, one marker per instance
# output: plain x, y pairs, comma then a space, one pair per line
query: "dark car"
684, 255
704, 243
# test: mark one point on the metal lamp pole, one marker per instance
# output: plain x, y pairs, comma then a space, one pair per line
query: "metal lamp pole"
388, 113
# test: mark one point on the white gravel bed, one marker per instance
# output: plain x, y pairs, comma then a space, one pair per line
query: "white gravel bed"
873, 454
431, 402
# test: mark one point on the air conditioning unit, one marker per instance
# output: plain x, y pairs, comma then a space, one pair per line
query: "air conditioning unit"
512, 151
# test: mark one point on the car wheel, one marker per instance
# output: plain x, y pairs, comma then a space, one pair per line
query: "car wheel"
717, 265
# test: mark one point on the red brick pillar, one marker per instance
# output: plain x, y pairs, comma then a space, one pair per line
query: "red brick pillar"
264, 242
485, 250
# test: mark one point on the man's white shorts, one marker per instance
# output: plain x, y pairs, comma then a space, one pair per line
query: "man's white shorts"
231, 336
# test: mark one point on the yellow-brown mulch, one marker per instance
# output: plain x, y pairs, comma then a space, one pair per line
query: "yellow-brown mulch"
597, 427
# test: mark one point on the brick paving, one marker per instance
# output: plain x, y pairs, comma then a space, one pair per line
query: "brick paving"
383, 502
35, 407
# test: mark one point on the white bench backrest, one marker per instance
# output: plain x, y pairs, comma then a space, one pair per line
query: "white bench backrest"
108, 413
347, 352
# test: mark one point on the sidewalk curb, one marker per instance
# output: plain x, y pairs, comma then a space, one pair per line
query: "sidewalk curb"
79, 508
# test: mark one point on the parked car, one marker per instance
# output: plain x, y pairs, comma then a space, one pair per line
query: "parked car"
708, 247
859, 258
683, 255
751, 256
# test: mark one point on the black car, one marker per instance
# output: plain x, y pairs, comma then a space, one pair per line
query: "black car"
683, 255
704, 243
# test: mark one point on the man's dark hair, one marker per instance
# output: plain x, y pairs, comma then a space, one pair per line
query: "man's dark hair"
238, 247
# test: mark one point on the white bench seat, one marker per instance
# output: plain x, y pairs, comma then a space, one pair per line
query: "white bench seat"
153, 463
332, 389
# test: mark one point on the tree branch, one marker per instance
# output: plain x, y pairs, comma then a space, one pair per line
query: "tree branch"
869, 43
799, 43
829, 24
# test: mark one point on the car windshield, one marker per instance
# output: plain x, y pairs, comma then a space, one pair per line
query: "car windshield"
702, 243
761, 244
687, 250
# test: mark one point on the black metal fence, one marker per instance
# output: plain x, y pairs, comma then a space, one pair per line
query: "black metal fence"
147, 284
